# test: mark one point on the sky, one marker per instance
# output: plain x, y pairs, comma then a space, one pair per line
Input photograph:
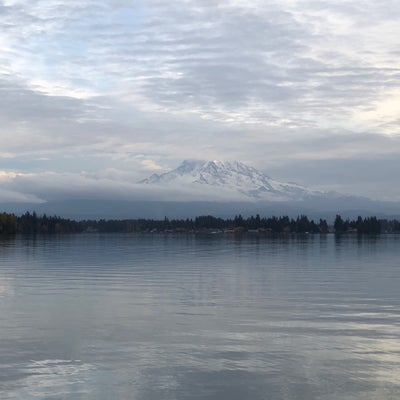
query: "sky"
95, 96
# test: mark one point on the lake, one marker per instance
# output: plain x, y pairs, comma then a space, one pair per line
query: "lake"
153, 317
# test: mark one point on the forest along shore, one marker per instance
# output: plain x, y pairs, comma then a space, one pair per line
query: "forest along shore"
31, 223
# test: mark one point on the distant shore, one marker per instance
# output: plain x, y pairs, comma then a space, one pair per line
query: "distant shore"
31, 223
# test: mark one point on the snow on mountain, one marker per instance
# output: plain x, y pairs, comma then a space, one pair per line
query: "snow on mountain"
233, 177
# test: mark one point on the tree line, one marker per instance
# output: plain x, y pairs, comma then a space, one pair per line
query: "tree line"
31, 223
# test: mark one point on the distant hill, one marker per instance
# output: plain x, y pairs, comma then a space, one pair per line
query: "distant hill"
115, 209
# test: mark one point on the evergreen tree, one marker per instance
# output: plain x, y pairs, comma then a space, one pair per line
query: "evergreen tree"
339, 224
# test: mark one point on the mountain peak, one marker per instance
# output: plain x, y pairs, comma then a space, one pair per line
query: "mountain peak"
233, 176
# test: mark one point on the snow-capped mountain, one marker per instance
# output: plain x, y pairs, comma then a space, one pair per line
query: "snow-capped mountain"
233, 177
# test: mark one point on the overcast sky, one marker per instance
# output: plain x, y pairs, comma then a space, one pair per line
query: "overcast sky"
96, 95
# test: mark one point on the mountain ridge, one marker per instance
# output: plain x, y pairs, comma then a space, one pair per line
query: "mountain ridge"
234, 176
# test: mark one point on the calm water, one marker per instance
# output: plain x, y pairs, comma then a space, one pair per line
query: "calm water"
186, 317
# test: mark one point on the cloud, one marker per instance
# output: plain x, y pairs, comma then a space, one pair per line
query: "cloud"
50, 186
151, 165
222, 60
137, 86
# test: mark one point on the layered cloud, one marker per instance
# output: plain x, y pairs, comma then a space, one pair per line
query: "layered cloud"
92, 88
42, 187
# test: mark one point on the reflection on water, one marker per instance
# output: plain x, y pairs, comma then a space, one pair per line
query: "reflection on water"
182, 317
